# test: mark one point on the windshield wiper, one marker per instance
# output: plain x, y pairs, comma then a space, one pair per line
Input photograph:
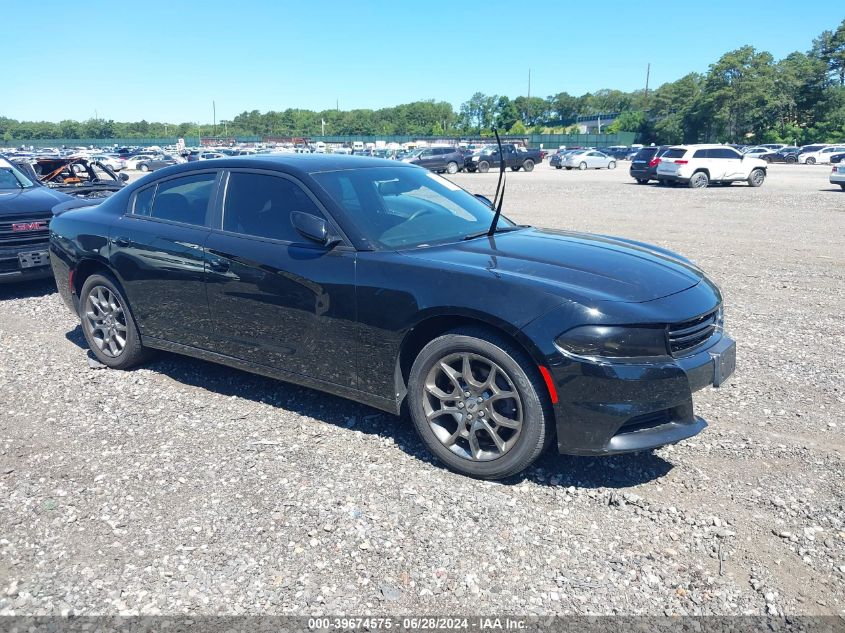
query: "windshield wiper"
497, 201
502, 229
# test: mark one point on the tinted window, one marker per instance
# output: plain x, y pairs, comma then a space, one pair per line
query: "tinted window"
723, 152
144, 201
646, 153
675, 152
260, 205
184, 199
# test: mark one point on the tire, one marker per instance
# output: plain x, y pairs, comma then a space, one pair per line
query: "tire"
452, 167
528, 165
447, 436
484, 167
558, 167
811, 161
842, 186
143, 167
699, 180
642, 181
517, 168
757, 177
790, 159
568, 168
582, 166
101, 295
611, 164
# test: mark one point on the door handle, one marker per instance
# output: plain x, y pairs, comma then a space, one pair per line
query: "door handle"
219, 265
122, 242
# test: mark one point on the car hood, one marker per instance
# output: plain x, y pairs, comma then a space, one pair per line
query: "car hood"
575, 266
33, 200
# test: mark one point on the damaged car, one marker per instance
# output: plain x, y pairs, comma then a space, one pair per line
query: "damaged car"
76, 176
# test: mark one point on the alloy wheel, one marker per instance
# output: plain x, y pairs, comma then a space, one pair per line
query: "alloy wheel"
472, 406
105, 320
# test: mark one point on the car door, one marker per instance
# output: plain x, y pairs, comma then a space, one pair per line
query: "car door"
730, 164
156, 249
276, 298
426, 158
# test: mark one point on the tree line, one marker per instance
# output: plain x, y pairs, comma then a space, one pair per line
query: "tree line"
745, 96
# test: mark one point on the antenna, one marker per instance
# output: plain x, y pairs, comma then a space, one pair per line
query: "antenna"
498, 205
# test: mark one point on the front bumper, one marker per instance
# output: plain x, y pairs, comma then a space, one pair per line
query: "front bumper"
11, 270
607, 408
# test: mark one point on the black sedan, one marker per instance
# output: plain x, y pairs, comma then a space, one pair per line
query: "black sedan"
384, 283
783, 155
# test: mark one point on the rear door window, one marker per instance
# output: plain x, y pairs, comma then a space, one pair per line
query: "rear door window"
675, 152
184, 199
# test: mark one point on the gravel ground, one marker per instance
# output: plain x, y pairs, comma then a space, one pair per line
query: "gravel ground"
185, 487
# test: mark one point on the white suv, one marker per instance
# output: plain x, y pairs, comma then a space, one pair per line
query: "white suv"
698, 165
820, 156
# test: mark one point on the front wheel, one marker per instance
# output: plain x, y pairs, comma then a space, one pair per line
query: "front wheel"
611, 165
484, 167
582, 166
528, 165
108, 325
842, 186
452, 167
517, 168
756, 177
478, 404
811, 161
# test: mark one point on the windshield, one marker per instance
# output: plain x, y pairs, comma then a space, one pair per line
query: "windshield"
11, 178
396, 208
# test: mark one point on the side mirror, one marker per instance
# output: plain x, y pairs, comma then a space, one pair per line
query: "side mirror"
312, 227
485, 200
124, 177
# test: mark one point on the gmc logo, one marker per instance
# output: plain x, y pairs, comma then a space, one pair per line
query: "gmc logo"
29, 226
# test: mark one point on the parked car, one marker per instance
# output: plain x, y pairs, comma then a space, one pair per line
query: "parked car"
156, 163
25, 215
114, 163
786, 154
75, 176
837, 158
132, 161
515, 157
774, 147
837, 174
644, 164
350, 275
588, 159
756, 152
556, 159
699, 165
438, 159
821, 155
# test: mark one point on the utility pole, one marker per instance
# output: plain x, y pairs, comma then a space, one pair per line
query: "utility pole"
529, 83
647, 74
214, 116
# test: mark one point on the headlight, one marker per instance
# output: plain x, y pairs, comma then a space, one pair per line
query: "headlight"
473, 158
614, 341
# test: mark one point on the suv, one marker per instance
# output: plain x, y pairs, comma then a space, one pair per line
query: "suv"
438, 159
698, 165
644, 163
820, 155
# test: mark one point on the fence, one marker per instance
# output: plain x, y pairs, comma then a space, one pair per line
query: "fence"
547, 141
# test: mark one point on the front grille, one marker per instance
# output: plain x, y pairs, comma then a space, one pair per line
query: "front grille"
646, 421
9, 237
687, 335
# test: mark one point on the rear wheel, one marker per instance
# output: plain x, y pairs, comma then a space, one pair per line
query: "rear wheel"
642, 181
108, 324
528, 165
582, 166
699, 180
517, 168
484, 167
452, 167
143, 167
478, 404
842, 186
756, 177
558, 167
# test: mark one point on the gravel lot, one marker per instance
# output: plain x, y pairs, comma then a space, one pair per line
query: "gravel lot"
185, 487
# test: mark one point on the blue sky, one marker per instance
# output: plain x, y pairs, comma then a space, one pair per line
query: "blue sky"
167, 61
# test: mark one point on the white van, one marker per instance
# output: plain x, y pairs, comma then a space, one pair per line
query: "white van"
357, 145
